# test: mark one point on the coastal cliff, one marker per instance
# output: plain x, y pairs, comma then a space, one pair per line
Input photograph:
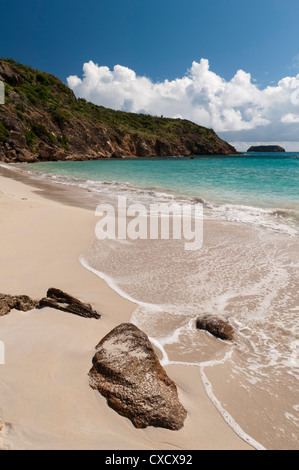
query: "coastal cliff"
42, 120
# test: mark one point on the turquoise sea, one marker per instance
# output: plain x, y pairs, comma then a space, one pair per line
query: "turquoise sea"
253, 189
261, 180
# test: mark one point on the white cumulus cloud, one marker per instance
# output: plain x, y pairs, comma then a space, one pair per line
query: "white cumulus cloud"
238, 108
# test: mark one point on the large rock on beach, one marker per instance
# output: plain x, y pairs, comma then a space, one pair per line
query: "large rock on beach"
127, 372
65, 302
216, 326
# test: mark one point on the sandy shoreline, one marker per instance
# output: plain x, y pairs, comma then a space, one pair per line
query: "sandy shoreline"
45, 398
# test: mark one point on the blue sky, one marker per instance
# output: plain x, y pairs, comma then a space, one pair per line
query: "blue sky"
160, 40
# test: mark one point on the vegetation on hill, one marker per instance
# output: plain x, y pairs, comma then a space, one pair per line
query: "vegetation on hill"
43, 120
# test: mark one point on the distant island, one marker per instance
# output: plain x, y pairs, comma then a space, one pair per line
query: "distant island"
42, 120
266, 149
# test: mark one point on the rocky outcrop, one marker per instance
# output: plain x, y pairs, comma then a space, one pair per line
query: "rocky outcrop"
55, 299
19, 302
42, 120
127, 372
266, 149
216, 326
65, 302
8, 75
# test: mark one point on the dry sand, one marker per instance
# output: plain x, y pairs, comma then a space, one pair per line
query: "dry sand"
45, 398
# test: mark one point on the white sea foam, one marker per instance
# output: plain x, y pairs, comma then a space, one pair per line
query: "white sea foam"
274, 219
226, 416
114, 286
209, 390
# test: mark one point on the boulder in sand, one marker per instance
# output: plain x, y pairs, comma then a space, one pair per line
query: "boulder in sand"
216, 326
127, 372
